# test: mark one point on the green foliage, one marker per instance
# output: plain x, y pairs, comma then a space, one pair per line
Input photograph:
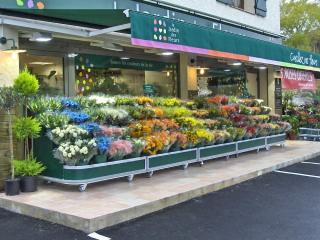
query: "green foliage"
26, 83
26, 127
28, 168
300, 22
41, 104
51, 120
8, 98
294, 122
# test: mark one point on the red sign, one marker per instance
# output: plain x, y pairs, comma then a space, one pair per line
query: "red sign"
297, 79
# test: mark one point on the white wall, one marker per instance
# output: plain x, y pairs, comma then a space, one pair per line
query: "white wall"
270, 23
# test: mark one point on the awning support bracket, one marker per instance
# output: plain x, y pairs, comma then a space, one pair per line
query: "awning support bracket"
110, 29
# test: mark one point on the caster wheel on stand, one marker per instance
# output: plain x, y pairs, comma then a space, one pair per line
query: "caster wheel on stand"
82, 187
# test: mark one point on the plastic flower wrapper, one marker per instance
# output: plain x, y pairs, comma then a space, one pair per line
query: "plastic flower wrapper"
137, 147
182, 141
285, 126
92, 128
76, 117
70, 103
120, 149
103, 144
76, 153
69, 133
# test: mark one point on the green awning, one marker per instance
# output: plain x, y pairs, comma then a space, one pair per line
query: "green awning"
163, 33
96, 18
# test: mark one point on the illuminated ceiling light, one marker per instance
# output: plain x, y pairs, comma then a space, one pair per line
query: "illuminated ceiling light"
41, 37
166, 53
124, 58
168, 74
41, 63
236, 64
227, 70
262, 67
72, 55
202, 71
14, 49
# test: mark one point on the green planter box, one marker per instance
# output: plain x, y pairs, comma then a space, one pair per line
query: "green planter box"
216, 151
103, 171
173, 159
251, 144
82, 175
276, 139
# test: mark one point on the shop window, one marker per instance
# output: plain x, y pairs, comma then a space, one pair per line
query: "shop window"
48, 70
112, 76
253, 6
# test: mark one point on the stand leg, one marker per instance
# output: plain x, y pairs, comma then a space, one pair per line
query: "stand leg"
201, 163
185, 166
130, 178
150, 174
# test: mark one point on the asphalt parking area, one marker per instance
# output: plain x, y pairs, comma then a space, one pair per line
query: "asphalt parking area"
279, 205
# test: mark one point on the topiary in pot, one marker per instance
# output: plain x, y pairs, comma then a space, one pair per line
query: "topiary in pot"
8, 100
28, 171
25, 128
26, 84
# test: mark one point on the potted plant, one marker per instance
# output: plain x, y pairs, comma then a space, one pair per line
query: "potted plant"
28, 171
8, 100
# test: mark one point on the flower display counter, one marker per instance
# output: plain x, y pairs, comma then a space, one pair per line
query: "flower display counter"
94, 138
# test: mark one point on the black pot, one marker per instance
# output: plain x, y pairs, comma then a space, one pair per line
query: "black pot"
12, 187
29, 184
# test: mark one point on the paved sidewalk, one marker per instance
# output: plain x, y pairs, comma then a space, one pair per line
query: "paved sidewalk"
109, 203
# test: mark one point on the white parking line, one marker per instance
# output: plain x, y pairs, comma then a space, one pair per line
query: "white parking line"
98, 236
297, 174
313, 163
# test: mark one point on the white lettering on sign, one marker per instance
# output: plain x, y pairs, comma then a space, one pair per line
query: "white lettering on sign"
298, 58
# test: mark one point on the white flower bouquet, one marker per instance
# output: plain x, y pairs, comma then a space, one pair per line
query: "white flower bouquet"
67, 133
76, 153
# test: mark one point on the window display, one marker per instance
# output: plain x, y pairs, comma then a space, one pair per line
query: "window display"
112, 75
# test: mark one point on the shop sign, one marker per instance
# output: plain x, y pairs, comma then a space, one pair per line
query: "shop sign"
298, 58
297, 79
98, 61
163, 33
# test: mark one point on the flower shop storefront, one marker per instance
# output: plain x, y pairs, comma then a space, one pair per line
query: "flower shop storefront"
93, 136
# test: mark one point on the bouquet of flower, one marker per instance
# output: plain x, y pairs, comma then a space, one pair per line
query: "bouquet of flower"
167, 102
125, 101
92, 128
204, 137
51, 120
201, 113
182, 141
159, 113
217, 100
176, 112
113, 132
68, 133
144, 100
137, 147
189, 122
154, 144
140, 113
118, 117
103, 144
102, 100
76, 117
75, 153
120, 149
210, 123
70, 103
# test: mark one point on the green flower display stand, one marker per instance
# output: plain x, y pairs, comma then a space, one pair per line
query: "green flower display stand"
86, 174
309, 134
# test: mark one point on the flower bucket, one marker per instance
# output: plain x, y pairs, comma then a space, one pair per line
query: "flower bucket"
100, 159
